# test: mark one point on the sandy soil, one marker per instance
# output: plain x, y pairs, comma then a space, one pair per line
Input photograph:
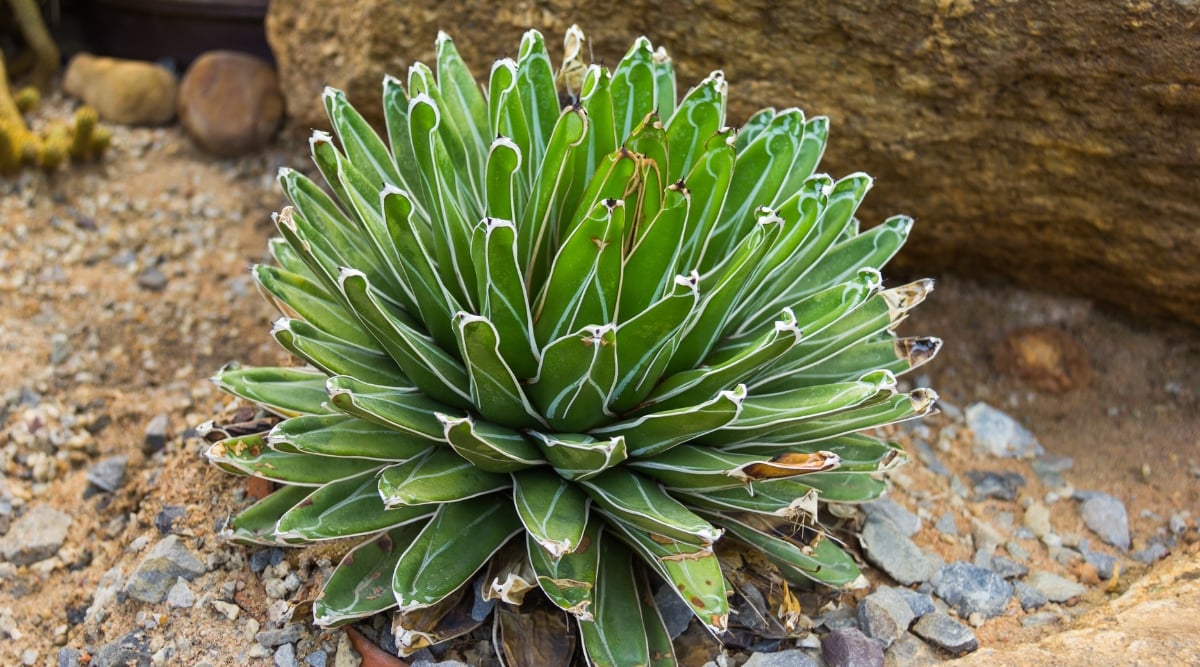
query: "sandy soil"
124, 285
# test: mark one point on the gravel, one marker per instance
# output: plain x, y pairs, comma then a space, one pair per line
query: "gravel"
1054, 587
1029, 597
180, 595
1106, 516
1002, 486
886, 508
998, 434
1156, 551
1106, 565
789, 658
849, 647
167, 561
946, 633
891, 551
156, 433
885, 615
970, 589
108, 474
36, 536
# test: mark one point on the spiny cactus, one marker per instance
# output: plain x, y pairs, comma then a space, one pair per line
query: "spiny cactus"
579, 347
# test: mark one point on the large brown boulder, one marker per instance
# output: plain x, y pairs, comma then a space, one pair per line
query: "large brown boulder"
1056, 144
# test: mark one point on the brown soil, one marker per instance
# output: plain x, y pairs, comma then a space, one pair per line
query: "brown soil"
104, 354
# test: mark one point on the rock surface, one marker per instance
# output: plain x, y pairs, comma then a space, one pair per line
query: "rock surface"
891, 551
849, 647
161, 568
128, 92
1019, 155
946, 633
971, 589
35, 536
229, 103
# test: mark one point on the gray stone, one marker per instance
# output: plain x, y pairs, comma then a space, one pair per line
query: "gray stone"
156, 433
180, 595
1007, 568
891, 551
998, 434
998, 485
886, 508
1037, 519
152, 279
132, 648
987, 537
317, 658
288, 634
1040, 618
167, 561
36, 536
6, 515
908, 651
439, 663
1105, 564
930, 459
946, 633
790, 658
1178, 523
1156, 551
108, 474
842, 616
164, 521
285, 656
68, 657
971, 589
1029, 597
1049, 469
676, 614
920, 603
946, 525
848, 647
1105, 516
1054, 587
885, 615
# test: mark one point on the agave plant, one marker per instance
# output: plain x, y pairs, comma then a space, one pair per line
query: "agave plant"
571, 348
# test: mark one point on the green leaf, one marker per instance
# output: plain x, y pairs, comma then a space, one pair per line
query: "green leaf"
709, 179
504, 299
577, 456
297, 294
284, 391
819, 560
595, 97
815, 312
633, 89
570, 580
650, 267
758, 122
359, 584
345, 508
664, 82
658, 640
657, 432
575, 379
256, 523
690, 387
502, 184
812, 147
463, 103
693, 572
431, 301
250, 454
719, 294
616, 637
584, 279
645, 343
759, 174
694, 469
450, 228
395, 114
887, 408
439, 476
495, 391
335, 356
614, 179
555, 194
785, 498
539, 96
871, 249
453, 546
490, 447
840, 487
427, 366
340, 435
363, 146
699, 116
405, 410
554, 511
644, 504
896, 355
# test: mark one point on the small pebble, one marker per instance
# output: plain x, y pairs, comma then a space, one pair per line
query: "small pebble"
156, 434
946, 525
152, 279
285, 656
946, 633
1106, 516
849, 647
227, 609
1156, 551
1054, 587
